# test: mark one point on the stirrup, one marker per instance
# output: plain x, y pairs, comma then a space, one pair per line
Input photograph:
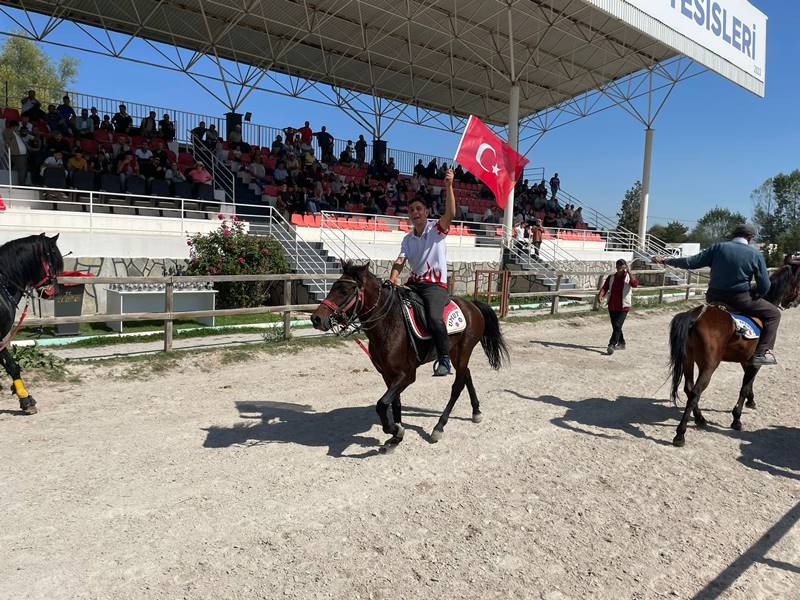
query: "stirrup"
764, 359
443, 367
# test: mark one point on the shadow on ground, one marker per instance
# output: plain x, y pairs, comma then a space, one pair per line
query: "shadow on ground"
283, 422
592, 349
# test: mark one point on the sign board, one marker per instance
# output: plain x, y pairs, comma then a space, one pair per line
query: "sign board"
734, 30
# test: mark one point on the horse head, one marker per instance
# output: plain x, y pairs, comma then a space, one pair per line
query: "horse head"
51, 264
342, 304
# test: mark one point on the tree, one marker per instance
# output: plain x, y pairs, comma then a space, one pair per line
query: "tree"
25, 66
673, 232
715, 226
776, 210
628, 214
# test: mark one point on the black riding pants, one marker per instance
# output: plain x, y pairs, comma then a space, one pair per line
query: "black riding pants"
743, 302
435, 298
617, 321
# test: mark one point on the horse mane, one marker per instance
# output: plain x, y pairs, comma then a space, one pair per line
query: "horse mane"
20, 260
781, 284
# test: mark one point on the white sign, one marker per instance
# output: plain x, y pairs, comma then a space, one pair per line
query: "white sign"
733, 29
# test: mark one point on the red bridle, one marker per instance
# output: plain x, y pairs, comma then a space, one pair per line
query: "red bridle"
351, 305
46, 281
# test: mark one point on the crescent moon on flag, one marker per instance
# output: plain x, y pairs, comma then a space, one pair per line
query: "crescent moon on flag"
479, 155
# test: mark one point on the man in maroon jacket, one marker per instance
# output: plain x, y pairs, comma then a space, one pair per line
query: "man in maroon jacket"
617, 288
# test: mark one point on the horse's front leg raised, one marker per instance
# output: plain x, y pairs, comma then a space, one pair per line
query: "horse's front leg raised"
26, 401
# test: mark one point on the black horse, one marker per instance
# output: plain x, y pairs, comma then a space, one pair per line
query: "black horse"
359, 298
26, 264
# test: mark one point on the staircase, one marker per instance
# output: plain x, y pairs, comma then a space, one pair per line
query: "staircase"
543, 270
222, 178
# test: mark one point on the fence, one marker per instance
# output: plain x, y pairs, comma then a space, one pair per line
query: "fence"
169, 315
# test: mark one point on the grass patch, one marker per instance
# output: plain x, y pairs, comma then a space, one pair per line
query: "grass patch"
41, 364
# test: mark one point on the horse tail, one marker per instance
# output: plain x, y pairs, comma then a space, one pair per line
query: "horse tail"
678, 337
492, 339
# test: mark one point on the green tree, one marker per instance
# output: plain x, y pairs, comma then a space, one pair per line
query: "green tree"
628, 215
776, 210
230, 250
673, 232
715, 226
25, 66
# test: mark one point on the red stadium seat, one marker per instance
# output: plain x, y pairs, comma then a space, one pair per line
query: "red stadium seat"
11, 113
88, 145
308, 221
404, 226
297, 220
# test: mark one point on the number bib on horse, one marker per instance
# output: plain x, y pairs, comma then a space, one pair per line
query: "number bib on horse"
414, 313
748, 328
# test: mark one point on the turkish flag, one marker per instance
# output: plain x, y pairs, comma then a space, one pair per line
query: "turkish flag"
490, 159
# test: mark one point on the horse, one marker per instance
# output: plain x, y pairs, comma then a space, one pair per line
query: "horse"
26, 264
358, 300
707, 336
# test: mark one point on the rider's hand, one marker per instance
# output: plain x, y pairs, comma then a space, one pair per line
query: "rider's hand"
387, 283
659, 260
448, 179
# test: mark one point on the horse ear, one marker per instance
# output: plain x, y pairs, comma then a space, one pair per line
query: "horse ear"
54, 239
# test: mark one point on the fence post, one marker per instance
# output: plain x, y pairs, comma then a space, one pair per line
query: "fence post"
688, 285
661, 291
168, 307
287, 315
477, 280
554, 305
505, 289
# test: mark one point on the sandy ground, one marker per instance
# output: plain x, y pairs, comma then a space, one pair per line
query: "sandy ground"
260, 479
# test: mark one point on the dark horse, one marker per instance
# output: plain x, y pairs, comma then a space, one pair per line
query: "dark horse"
706, 336
358, 299
29, 263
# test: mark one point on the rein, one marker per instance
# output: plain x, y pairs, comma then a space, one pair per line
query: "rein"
347, 316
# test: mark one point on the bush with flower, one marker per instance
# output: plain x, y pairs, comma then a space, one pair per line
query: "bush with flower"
230, 250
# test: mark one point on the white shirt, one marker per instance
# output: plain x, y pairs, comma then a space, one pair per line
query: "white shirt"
426, 254
143, 154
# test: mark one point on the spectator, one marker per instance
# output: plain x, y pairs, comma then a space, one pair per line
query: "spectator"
77, 162
617, 288
555, 185
84, 126
55, 122
166, 129
153, 169
292, 166
419, 169
431, 171
57, 143
95, 118
289, 133
577, 216
347, 154
106, 124
173, 174
56, 161
257, 170
65, 110
325, 141
278, 148
127, 167
31, 107
149, 126
199, 174
18, 150
199, 132
361, 150
35, 147
212, 136
306, 134
536, 234
459, 173
143, 153
441, 171
235, 136
100, 163
121, 120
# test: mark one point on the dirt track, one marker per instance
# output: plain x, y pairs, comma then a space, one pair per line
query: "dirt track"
260, 479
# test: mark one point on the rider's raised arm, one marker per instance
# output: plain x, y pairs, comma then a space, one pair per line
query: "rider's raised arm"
450, 203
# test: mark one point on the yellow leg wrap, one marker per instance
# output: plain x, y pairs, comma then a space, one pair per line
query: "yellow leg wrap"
20, 389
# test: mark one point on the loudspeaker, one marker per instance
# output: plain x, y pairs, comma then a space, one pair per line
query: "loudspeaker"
379, 150
232, 119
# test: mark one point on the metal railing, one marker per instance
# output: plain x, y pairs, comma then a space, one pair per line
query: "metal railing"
221, 175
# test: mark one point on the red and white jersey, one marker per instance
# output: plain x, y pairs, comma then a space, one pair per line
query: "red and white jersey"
426, 254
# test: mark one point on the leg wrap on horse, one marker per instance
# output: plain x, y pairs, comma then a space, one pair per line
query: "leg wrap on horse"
19, 389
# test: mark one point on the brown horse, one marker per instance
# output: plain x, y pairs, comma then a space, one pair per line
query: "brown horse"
358, 300
706, 336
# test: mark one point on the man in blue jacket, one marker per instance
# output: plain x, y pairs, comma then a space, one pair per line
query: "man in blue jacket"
733, 265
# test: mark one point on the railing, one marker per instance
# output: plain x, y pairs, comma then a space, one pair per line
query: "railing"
336, 239
169, 315
221, 175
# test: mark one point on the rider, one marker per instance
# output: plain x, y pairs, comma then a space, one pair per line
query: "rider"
733, 264
425, 248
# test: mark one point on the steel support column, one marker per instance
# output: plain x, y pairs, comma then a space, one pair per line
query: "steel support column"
644, 197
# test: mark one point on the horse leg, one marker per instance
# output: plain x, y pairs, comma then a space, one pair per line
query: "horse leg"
397, 410
693, 402
477, 415
390, 420
688, 386
746, 392
26, 401
455, 392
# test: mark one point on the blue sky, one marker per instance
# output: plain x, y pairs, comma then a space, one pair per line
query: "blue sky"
714, 142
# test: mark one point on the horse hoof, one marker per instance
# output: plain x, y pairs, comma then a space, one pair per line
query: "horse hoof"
477, 417
31, 410
750, 404
737, 425
388, 448
436, 435
398, 434
678, 441
701, 423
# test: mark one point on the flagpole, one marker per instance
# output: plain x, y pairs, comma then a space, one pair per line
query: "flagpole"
513, 141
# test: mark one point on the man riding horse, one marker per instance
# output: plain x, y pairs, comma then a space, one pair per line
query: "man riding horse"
733, 265
425, 248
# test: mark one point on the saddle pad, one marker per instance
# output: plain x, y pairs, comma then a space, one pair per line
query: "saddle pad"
748, 328
453, 319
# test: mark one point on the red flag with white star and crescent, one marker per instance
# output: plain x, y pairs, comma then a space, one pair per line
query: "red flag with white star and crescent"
490, 159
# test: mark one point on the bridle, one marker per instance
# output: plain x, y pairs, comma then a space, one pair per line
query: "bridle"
346, 318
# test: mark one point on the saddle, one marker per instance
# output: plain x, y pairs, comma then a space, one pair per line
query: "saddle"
748, 328
417, 320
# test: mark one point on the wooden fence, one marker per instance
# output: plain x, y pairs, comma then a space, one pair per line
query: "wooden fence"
169, 315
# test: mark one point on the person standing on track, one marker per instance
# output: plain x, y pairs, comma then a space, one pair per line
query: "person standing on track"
617, 288
425, 248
